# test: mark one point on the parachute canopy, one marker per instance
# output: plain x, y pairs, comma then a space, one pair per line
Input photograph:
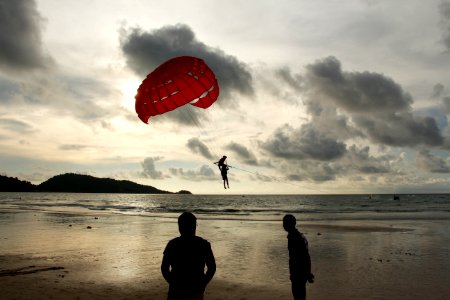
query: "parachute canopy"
178, 81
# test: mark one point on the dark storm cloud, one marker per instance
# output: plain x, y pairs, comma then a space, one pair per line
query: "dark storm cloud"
20, 36
356, 92
243, 154
401, 130
198, 147
444, 9
355, 162
314, 171
361, 160
378, 106
144, 51
204, 173
15, 126
149, 168
348, 107
303, 143
431, 163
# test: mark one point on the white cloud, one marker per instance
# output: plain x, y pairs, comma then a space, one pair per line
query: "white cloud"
316, 92
149, 168
202, 174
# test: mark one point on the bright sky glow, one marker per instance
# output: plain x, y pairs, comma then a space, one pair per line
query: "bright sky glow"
316, 96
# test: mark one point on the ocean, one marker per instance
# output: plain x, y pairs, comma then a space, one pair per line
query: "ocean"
245, 207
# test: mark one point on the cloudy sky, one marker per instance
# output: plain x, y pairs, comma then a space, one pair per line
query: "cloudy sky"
316, 96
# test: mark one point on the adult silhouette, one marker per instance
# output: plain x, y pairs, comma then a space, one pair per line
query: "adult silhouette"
221, 162
223, 167
184, 261
224, 173
299, 259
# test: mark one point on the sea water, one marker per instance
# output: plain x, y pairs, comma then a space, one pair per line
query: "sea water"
245, 207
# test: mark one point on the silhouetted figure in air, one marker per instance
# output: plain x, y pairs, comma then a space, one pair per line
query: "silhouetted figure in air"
221, 162
184, 261
299, 259
223, 167
224, 173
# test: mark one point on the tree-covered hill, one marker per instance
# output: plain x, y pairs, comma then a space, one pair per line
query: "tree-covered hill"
77, 183
13, 184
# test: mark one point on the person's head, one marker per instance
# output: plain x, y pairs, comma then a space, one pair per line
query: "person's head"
224, 156
289, 222
187, 223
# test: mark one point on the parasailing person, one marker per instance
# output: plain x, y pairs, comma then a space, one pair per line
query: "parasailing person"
223, 167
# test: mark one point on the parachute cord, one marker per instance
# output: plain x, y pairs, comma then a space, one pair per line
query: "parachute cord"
197, 124
274, 178
214, 144
194, 121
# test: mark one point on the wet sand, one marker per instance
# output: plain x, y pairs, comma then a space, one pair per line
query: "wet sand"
56, 256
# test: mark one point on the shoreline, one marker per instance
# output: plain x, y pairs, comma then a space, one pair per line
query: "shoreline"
344, 225
307, 219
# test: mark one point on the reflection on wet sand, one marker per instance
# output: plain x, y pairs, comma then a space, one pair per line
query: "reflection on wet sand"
120, 257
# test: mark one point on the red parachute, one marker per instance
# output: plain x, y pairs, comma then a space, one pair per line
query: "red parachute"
178, 81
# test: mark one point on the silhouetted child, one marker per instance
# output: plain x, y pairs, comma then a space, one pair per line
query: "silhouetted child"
299, 259
184, 261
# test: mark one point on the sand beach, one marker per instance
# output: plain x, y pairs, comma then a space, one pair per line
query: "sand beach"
55, 255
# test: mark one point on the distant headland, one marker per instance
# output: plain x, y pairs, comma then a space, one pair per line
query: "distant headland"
77, 183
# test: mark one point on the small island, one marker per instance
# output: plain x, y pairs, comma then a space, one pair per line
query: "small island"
78, 183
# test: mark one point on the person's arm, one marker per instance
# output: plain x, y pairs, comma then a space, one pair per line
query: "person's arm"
211, 265
218, 164
165, 268
310, 276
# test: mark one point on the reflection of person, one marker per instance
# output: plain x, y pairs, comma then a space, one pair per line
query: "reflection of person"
184, 262
299, 259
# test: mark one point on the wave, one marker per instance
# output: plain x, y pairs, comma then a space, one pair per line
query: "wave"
309, 207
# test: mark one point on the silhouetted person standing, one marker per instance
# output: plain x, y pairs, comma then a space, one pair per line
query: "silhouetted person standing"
299, 259
184, 261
